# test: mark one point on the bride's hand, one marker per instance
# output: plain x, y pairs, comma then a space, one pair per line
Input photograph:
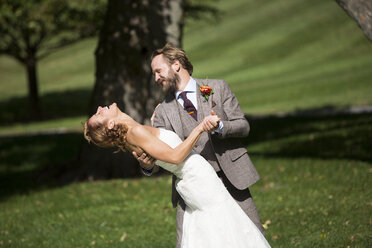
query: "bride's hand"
210, 123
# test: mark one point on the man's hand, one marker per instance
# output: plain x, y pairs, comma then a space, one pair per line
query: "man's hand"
145, 160
211, 122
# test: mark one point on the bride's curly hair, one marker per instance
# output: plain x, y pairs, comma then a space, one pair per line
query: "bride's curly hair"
100, 135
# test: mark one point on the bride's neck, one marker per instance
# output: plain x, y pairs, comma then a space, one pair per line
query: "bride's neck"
128, 121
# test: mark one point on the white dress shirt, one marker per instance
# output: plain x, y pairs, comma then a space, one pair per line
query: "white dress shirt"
191, 95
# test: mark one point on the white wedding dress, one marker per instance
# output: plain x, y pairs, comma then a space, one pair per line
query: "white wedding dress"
212, 217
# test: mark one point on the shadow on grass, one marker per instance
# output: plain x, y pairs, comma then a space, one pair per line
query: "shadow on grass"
326, 137
22, 159
333, 137
36, 162
54, 105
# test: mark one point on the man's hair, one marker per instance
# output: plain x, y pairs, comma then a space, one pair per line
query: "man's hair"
172, 53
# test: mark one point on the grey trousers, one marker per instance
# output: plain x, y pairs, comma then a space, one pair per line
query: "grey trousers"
242, 197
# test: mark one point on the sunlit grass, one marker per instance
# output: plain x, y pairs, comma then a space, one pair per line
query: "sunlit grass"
277, 56
314, 190
284, 55
118, 213
304, 203
63, 124
68, 68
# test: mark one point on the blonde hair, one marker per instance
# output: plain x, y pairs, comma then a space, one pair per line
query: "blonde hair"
172, 53
100, 135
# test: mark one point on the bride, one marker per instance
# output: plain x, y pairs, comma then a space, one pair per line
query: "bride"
212, 217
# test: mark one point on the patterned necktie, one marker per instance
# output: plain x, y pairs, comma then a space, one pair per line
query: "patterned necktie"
187, 104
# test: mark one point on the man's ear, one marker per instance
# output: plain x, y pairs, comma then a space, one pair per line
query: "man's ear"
176, 66
110, 124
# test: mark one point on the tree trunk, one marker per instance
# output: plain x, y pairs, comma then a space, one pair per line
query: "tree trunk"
361, 12
33, 93
132, 30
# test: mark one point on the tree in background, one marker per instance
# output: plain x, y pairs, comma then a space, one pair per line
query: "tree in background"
361, 12
131, 31
32, 29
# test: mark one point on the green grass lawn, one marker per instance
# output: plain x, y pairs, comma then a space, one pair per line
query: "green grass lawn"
277, 56
314, 191
284, 55
305, 203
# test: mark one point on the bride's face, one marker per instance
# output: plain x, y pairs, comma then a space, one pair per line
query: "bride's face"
104, 114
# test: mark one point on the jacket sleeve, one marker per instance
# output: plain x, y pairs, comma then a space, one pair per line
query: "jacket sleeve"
235, 124
159, 121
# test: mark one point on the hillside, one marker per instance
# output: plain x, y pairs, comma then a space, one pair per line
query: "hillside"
277, 56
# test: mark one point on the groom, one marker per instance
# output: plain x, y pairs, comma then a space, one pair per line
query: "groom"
184, 107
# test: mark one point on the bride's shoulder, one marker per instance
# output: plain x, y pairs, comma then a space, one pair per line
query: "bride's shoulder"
141, 130
135, 131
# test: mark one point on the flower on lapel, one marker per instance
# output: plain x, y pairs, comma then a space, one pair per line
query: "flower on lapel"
206, 91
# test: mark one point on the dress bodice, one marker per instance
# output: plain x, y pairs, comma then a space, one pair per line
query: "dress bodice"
169, 137
173, 140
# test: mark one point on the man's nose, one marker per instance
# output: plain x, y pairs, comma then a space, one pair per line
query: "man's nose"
157, 77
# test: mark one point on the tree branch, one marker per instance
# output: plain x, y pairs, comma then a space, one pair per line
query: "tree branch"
361, 12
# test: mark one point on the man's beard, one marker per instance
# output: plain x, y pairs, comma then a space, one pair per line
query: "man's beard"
171, 86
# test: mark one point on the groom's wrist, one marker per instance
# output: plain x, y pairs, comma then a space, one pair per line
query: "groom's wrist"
147, 171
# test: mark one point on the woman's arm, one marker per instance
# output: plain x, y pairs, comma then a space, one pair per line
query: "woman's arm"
157, 149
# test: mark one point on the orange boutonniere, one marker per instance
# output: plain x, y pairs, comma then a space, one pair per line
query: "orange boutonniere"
206, 91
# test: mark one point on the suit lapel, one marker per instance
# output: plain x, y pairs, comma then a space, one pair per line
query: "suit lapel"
204, 107
171, 110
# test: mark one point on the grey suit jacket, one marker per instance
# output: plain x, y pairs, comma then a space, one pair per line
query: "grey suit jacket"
224, 151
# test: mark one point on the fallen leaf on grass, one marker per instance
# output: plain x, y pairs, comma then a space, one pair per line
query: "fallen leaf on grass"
269, 185
266, 224
122, 238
